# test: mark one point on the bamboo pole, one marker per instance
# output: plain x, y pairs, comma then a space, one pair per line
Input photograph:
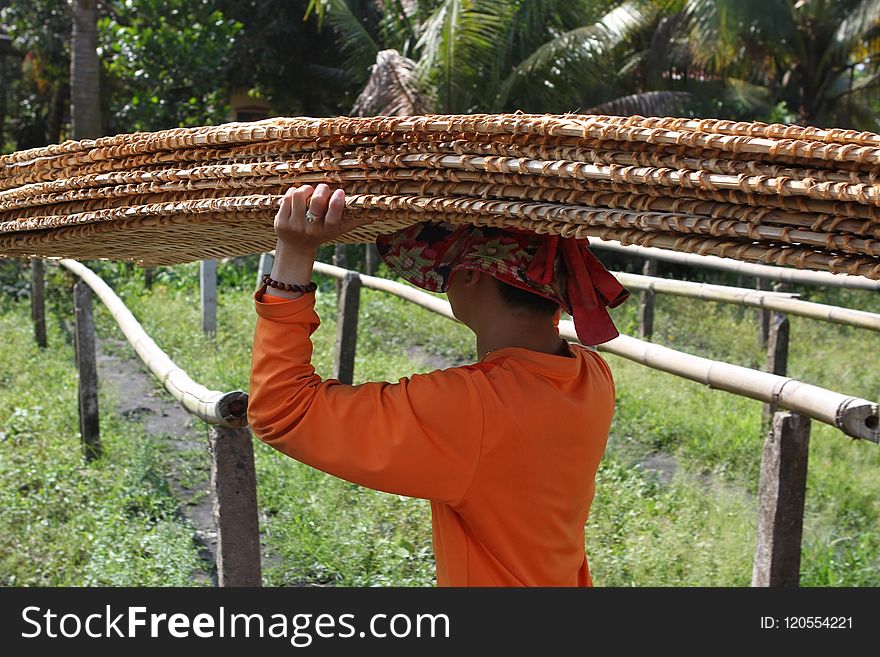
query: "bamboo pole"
228, 409
854, 416
38, 301
787, 274
771, 300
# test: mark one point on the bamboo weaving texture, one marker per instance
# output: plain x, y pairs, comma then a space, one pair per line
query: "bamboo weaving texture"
776, 194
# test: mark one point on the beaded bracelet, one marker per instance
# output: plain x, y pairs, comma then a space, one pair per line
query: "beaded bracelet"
290, 287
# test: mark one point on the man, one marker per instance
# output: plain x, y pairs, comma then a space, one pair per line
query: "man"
505, 449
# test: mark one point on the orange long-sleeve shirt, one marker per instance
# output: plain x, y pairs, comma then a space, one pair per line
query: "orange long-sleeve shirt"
506, 450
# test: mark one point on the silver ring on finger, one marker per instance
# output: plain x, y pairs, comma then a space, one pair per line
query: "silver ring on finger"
311, 217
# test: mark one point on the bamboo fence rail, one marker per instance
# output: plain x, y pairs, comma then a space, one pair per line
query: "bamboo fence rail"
854, 416
779, 301
782, 274
225, 409
748, 191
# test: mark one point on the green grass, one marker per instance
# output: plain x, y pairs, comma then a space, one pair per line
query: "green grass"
64, 523
697, 530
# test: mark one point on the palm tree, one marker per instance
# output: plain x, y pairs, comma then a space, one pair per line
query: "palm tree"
85, 99
494, 55
820, 57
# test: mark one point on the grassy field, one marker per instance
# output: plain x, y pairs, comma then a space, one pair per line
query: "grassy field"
115, 521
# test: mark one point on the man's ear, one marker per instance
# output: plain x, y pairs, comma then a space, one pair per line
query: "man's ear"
472, 277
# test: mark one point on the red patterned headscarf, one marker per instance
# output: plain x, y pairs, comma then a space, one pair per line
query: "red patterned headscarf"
558, 268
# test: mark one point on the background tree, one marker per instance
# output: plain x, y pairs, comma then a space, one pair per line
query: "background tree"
286, 59
35, 84
817, 59
166, 62
500, 55
85, 70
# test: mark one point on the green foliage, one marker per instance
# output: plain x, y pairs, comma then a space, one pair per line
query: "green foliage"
34, 88
819, 58
493, 56
288, 60
166, 63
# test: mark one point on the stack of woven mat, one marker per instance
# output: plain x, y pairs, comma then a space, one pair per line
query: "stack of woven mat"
777, 194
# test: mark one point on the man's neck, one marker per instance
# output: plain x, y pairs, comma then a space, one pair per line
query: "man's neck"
537, 335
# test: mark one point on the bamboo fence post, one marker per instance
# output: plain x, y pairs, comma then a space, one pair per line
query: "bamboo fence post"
38, 301
89, 425
340, 260
234, 502
346, 327
371, 258
763, 317
265, 267
781, 495
777, 357
646, 303
777, 360
208, 285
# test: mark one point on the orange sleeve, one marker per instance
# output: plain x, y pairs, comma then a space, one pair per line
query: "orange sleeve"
420, 437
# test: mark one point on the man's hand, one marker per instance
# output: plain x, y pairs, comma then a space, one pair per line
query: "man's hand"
299, 239
297, 234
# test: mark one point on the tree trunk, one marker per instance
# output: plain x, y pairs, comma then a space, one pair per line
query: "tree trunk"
85, 68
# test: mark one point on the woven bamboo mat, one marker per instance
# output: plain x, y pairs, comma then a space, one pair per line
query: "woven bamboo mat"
787, 195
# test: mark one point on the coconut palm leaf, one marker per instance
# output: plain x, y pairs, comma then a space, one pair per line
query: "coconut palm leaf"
576, 54
454, 45
647, 103
720, 30
357, 45
393, 88
862, 19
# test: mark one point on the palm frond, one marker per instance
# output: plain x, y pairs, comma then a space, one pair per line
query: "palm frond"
662, 46
579, 50
863, 19
355, 41
647, 103
756, 97
393, 89
723, 32
459, 40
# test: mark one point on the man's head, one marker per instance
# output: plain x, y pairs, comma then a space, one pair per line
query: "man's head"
519, 275
475, 295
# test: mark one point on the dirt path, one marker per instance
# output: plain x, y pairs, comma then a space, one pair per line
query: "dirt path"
187, 462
